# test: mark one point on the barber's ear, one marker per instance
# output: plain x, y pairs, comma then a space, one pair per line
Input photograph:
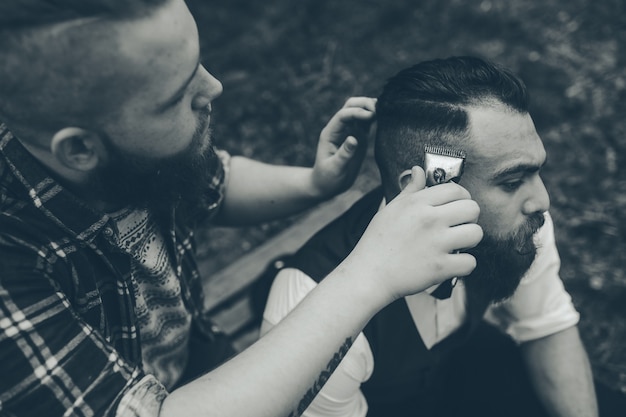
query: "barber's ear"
77, 148
404, 178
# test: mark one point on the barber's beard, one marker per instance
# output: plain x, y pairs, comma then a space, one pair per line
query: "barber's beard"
157, 183
502, 262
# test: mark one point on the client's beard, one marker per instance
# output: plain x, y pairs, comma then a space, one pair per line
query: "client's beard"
501, 263
158, 183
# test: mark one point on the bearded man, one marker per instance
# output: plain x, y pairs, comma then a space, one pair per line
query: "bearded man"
107, 165
431, 354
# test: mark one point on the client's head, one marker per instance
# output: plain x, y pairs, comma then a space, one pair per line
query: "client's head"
468, 104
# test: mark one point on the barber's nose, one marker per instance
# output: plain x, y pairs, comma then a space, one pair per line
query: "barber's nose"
538, 200
209, 88
214, 86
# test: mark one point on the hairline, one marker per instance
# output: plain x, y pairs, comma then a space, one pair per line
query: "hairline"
465, 141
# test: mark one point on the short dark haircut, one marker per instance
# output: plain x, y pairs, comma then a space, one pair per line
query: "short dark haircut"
427, 104
28, 46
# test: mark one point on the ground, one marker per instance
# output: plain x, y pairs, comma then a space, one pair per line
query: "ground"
287, 66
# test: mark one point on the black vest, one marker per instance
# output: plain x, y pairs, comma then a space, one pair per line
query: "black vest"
408, 379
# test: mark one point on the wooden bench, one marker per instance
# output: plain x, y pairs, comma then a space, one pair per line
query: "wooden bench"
231, 300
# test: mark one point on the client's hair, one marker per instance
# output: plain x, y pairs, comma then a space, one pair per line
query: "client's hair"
426, 104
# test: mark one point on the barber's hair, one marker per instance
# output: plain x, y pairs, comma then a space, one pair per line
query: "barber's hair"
427, 104
39, 63
25, 13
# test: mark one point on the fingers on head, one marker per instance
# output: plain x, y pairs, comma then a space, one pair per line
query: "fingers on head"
355, 113
349, 146
363, 102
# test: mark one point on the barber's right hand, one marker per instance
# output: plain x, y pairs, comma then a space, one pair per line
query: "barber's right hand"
411, 244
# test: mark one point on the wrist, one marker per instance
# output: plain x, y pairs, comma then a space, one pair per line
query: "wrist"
325, 186
364, 284
318, 186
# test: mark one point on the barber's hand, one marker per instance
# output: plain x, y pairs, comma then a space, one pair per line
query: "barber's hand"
410, 245
342, 147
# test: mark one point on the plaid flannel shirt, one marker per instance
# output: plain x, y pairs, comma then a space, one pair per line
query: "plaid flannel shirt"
69, 343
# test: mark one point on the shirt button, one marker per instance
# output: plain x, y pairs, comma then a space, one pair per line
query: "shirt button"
108, 232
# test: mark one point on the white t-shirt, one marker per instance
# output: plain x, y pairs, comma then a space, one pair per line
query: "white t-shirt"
539, 307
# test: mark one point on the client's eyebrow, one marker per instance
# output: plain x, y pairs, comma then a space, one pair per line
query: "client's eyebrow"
517, 169
180, 91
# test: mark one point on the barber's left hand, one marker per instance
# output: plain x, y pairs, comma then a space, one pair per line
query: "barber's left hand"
342, 147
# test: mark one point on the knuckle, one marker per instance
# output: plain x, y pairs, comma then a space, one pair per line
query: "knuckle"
476, 231
474, 208
438, 266
472, 262
427, 217
468, 264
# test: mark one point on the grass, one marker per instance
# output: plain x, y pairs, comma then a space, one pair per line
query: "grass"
288, 66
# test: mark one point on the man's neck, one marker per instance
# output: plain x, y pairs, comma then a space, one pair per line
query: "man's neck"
74, 181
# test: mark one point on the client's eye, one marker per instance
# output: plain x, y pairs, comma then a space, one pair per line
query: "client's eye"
511, 186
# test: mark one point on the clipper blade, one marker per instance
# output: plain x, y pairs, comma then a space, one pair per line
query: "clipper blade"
443, 164
442, 150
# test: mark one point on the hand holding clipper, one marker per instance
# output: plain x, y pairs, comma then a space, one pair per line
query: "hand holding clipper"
441, 165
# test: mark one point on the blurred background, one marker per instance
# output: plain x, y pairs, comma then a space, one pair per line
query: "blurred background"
287, 66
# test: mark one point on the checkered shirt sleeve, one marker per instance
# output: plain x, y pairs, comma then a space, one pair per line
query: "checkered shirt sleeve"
54, 363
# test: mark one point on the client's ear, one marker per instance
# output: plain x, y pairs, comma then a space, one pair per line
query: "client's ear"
76, 148
404, 178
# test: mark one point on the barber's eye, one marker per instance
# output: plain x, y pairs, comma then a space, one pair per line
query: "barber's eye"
178, 100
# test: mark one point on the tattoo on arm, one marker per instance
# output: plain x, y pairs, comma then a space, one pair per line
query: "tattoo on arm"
322, 378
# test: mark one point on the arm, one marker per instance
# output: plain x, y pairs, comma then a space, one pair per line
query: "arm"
341, 396
258, 192
561, 375
53, 363
281, 373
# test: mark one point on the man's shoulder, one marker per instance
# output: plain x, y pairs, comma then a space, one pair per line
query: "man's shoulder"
19, 215
23, 240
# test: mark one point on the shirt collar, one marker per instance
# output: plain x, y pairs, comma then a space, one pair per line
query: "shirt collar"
57, 203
